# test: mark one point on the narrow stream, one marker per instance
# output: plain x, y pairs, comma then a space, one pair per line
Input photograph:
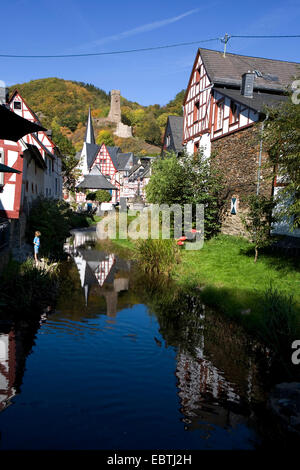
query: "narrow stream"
125, 364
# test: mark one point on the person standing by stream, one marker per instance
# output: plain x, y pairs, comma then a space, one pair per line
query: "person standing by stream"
36, 245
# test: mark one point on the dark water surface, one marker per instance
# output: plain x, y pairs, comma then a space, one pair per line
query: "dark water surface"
121, 365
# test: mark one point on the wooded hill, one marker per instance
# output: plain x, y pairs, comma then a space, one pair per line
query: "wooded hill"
62, 105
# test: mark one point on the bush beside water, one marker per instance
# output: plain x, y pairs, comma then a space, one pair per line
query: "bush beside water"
26, 290
157, 256
54, 219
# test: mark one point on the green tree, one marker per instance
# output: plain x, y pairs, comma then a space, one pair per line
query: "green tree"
105, 137
282, 136
194, 181
102, 196
149, 130
258, 220
91, 196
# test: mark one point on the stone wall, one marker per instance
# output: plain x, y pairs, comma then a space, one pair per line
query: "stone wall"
123, 131
238, 156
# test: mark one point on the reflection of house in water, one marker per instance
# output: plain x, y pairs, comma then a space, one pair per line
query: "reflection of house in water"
15, 345
7, 368
205, 393
101, 271
80, 237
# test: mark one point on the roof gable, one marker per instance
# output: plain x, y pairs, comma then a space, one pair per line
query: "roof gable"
17, 95
175, 124
271, 74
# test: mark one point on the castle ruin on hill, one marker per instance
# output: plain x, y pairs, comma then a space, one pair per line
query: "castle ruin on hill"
114, 115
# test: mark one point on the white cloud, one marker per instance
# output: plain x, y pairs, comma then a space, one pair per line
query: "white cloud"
140, 29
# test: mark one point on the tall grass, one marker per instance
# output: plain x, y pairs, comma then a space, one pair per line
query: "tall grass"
26, 289
279, 323
157, 256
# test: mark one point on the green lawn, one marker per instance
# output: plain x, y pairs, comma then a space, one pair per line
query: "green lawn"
225, 271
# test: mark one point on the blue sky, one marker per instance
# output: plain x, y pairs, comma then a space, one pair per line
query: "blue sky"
78, 26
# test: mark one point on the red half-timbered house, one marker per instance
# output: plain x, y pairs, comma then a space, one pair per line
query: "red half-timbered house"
113, 166
225, 97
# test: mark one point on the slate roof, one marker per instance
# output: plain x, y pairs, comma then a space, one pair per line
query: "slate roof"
134, 168
91, 153
123, 160
95, 180
272, 74
176, 126
43, 146
257, 102
33, 151
146, 172
113, 152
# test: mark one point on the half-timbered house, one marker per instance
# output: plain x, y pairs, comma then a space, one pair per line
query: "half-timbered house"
226, 96
112, 166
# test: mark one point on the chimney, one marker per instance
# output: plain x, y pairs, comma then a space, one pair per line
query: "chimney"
4, 93
247, 84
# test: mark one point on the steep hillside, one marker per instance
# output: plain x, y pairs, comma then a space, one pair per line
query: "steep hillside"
63, 106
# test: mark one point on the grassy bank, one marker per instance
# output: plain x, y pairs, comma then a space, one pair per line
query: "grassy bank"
225, 269
229, 280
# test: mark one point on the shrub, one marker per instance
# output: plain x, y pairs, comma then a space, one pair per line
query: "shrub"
102, 196
157, 256
53, 219
26, 289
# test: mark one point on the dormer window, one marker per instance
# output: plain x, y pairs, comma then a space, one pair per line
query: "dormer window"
17, 105
168, 140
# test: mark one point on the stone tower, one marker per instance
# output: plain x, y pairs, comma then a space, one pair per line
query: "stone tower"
115, 107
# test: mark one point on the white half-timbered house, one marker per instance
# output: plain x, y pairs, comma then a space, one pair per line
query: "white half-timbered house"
226, 96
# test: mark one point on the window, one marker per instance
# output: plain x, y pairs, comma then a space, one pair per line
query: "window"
234, 112
233, 209
46, 191
219, 115
17, 105
1, 161
196, 147
198, 74
168, 140
196, 111
55, 185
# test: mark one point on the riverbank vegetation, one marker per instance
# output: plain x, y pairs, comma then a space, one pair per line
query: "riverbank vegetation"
27, 290
54, 219
157, 256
